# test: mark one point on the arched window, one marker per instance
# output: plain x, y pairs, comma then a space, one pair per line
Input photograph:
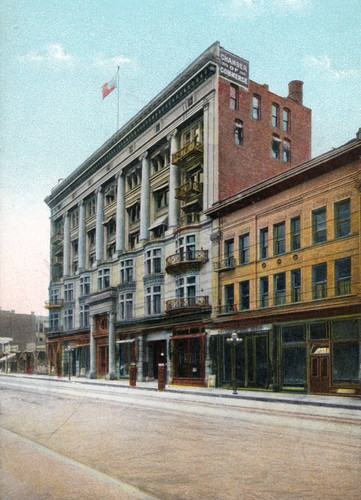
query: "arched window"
238, 132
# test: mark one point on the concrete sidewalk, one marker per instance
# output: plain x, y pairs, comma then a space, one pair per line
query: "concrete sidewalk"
342, 402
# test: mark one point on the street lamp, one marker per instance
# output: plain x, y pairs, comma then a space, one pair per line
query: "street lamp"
234, 340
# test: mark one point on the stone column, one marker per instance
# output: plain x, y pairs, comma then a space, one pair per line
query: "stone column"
111, 345
144, 199
173, 209
66, 249
81, 236
93, 350
99, 230
120, 217
140, 359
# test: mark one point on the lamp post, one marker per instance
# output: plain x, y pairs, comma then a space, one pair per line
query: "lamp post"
233, 340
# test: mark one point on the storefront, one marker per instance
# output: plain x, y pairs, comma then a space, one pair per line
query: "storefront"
188, 357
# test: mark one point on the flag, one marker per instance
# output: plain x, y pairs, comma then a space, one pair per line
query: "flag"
109, 87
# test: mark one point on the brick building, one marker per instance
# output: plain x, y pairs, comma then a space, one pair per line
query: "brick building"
131, 274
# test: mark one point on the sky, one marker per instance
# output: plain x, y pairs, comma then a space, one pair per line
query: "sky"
55, 56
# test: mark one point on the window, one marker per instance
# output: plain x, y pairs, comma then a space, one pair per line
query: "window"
153, 262
111, 228
342, 219
68, 319
279, 239
279, 289
125, 306
103, 279
68, 292
343, 276
133, 179
75, 218
263, 291
318, 331
153, 299
85, 285
186, 247
161, 198
134, 213
133, 239
244, 249
244, 295
275, 147
229, 298
275, 116
53, 321
256, 107
228, 253
90, 206
238, 132
319, 226
126, 271
263, 243
91, 238
295, 234
54, 296
109, 194
319, 281
286, 120
186, 288
233, 95
84, 315
296, 285
286, 151
111, 250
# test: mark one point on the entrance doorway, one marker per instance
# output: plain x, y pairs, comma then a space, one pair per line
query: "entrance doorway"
102, 360
159, 356
320, 369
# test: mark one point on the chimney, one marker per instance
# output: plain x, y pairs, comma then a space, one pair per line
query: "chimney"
295, 91
358, 134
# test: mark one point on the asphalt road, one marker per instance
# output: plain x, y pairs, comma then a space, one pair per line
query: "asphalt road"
72, 441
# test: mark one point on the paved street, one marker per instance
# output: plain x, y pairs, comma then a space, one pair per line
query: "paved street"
72, 441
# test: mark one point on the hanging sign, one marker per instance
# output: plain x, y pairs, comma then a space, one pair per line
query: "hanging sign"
234, 68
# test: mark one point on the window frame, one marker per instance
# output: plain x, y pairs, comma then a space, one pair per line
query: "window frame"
342, 284
256, 107
279, 241
126, 305
319, 287
339, 222
103, 281
295, 231
243, 249
319, 227
275, 113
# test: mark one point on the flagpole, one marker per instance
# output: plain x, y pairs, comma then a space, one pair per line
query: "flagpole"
118, 99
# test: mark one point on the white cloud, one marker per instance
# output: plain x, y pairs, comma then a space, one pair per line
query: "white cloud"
323, 64
52, 55
111, 62
240, 8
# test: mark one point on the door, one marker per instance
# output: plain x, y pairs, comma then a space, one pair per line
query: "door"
102, 360
159, 356
319, 373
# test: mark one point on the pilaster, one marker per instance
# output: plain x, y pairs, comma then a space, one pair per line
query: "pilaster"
93, 351
174, 175
81, 236
144, 199
120, 217
99, 230
66, 250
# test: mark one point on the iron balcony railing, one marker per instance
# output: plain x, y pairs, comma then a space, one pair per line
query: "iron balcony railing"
53, 304
186, 303
190, 152
184, 259
190, 188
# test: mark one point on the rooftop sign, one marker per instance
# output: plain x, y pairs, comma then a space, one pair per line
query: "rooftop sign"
234, 68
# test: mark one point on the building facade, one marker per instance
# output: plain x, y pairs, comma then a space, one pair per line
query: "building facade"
131, 241
287, 258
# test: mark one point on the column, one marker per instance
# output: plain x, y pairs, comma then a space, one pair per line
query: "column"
210, 163
99, 230
140, 359
120, 217
81, 236
93, 350
173, 210
144, 199
66, 249
111, 346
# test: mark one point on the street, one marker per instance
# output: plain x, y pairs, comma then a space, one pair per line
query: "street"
74, 441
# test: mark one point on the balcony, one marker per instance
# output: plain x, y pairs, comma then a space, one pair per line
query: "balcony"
188, 155
57, 261
189, 219
56, 238
182, 262
188, 190
186, 304
53, 304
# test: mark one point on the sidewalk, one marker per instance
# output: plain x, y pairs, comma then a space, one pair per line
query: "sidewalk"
342, 402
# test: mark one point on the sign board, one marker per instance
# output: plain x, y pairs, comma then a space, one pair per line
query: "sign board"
234, 68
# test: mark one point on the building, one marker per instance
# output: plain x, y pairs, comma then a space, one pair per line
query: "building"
131, 240
288, 283
22, 342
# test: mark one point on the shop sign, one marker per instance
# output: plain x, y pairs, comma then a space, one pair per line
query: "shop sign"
234, 69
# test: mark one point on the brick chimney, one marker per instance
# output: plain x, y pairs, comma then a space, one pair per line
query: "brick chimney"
295, 91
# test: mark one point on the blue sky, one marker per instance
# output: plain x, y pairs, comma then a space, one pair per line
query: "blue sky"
56, 55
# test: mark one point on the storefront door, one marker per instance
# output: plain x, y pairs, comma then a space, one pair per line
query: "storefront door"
102, 360
159, 356
319, 370
189, 360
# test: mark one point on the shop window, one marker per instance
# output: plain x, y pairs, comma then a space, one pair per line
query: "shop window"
275, 115
153, 300
319, 281
294, 363
68, 319
84, 315
263, 243
293, 334
318, 331
238, 132
346, 329
233, 96
342, 212
244, 299
229, 298
279, 238
346, 362
256, 107
126, 271
319, 234
125, 305
343, 276
279, 289
296, 285
228, 253
286, 116
263, 291
84, 286
153, 262
244, 249
68, 292
125, 356
295, 234
275, 147
286, 151
103, 279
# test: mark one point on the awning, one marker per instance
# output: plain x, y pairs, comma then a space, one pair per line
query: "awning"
161, 221
9, 356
